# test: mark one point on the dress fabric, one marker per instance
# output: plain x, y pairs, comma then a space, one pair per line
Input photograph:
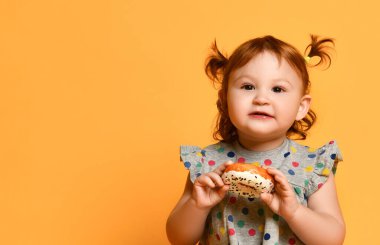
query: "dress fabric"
238, 220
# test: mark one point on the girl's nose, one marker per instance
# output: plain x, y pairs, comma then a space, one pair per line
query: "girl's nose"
260, 98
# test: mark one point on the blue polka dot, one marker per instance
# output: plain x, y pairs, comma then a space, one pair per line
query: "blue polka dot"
333, 156
230, 218
266, 236
187, 164
245, 211
231, 154
311, 155
287, 154
198, 174
203, 152
291, 172
323, 151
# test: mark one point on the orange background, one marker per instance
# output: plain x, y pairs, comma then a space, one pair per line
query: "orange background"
97, 96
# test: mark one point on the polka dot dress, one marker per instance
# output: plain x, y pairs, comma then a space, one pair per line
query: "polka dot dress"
240, 220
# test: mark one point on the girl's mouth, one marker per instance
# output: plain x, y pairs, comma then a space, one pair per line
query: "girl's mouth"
260, 115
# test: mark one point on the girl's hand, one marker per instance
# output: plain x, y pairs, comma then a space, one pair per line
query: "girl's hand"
283, 201
209, 189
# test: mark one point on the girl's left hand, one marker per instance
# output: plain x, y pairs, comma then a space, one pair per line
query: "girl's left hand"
283, 201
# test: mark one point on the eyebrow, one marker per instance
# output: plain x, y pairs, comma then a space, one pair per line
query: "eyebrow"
252, 78
282, 80
243, 76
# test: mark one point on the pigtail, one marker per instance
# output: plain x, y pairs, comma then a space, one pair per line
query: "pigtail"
319, 48
215, 68
216, 62
299, 128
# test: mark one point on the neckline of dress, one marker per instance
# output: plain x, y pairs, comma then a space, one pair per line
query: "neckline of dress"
243, 151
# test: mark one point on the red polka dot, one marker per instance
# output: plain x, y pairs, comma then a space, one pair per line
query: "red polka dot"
233, 200
252, 232
320, 185
231, 232
292, 241
211, 162
331, 142
267, 162
295, 164
218, 237
241, 159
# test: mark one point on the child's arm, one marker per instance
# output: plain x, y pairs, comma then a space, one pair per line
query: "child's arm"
319, 223
186, 222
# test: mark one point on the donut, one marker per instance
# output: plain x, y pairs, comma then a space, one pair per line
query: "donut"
248, 180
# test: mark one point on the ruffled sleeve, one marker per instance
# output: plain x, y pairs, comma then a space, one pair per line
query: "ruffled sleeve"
326, 162
191, 157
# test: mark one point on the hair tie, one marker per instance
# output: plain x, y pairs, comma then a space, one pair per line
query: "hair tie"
307, 59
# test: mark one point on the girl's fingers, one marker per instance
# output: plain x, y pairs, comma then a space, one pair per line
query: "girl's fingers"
266, 198
215, 178
280, 178
274, 171
204, 180
210, 179
219, 170
277, 174
222, 191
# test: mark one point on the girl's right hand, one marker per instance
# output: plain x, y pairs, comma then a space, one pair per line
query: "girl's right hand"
209, 189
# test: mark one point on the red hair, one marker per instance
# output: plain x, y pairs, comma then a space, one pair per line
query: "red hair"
219, 67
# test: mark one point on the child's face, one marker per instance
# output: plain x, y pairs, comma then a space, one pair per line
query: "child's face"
265, 97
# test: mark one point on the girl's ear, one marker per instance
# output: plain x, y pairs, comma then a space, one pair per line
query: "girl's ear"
303, 107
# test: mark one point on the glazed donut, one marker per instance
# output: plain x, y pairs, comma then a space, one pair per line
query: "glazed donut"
247, 179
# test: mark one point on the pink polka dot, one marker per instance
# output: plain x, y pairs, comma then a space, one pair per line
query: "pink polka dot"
202, 160
295, 164
211, 162
292, 241
252, 232
320, 185
241, 159
218, 237
233, 200
231, 232
267, 162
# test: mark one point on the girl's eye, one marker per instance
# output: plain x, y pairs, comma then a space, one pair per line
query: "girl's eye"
277, 89
248, 87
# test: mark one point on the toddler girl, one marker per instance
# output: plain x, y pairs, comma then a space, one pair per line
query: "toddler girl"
263, 100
